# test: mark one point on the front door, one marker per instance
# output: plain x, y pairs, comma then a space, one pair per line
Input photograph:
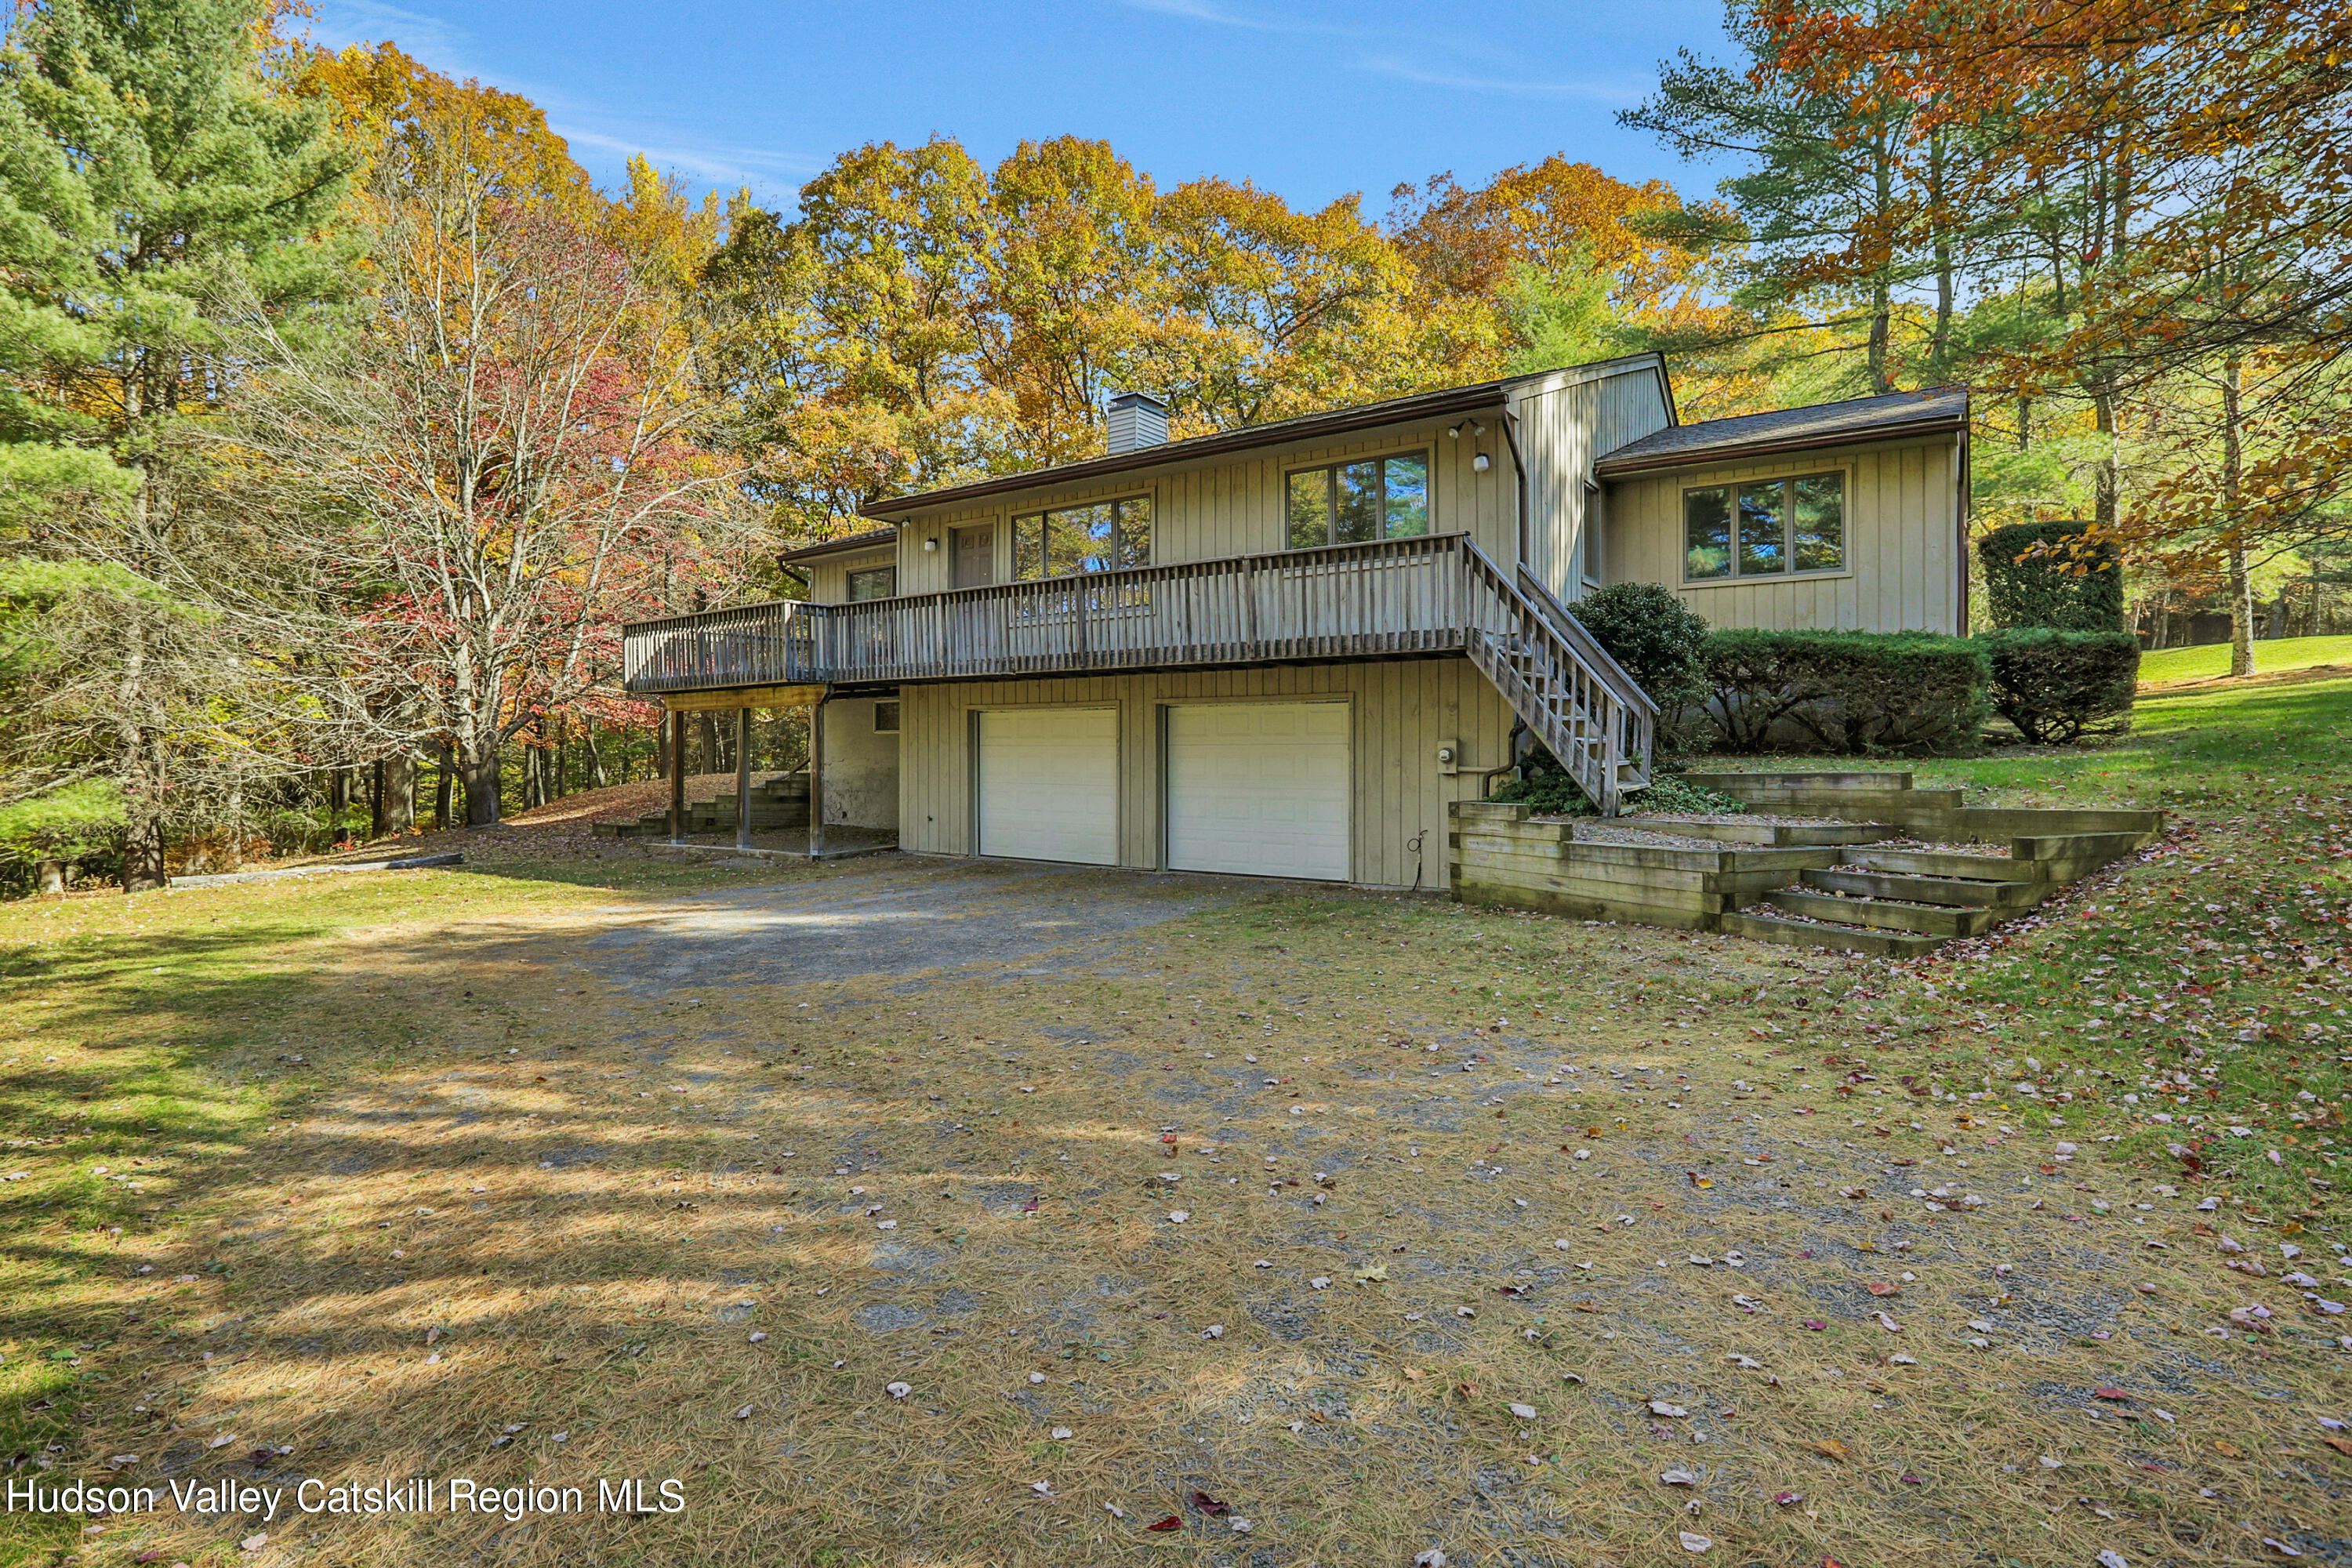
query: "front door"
975, 556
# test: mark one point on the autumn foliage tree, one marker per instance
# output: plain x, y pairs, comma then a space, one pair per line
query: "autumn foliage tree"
2153, 208
502, 459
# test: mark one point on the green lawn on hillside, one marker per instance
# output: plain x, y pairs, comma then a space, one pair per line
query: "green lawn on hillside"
2212, 659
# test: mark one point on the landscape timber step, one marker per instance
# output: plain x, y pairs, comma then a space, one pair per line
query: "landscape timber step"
1881, 914
1800, 778
1837, 938
1959, 892
1771, 835
780, 800
1948, 863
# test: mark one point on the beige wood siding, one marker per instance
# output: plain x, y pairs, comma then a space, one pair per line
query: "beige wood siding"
1237, 504
1401, 712
1564, 422
828, 577
1903, 568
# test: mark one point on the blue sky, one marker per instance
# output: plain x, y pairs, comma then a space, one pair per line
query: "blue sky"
1312, 101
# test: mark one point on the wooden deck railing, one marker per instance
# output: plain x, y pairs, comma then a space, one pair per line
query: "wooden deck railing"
1399, 595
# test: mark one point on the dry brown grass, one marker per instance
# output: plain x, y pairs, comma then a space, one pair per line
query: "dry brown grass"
460, 1034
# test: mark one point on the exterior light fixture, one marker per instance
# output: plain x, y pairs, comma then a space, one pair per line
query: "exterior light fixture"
1454, 431
930, 544
1481, 463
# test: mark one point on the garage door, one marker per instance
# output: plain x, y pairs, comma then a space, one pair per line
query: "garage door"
1049, 785
1259, 788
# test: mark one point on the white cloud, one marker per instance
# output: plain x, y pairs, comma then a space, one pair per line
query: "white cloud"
1599, 92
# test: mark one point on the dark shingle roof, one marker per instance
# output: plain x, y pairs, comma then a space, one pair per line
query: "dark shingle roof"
1305, 428
865, 540
1898, 414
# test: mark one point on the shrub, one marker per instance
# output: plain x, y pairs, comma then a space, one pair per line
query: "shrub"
1653, 634
80, 825
2049, 574
2057, 687
1544, 784
1848, 691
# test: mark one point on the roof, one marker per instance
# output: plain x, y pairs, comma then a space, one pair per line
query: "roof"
1935, 411
871, 539
1306, 427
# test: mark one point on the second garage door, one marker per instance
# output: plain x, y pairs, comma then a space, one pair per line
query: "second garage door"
1259, 788
1049, 785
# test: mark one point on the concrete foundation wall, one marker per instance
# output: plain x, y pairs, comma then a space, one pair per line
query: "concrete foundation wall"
861, 766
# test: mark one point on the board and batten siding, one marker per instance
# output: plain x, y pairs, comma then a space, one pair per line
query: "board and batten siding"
828, 575
1903, 568
1401, 712
1565, 421
1237, 504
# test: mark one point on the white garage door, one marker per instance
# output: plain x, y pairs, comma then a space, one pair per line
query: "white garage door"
1260, 788
1049, 785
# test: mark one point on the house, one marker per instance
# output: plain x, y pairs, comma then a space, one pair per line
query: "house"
1285, 650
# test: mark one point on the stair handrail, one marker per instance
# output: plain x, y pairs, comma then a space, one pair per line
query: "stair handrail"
1574, 632
1610, 720
1637, 736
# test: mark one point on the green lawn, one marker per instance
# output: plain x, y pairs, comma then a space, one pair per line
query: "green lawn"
2270, 658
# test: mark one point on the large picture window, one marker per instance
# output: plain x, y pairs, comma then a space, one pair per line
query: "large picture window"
873, 583
1767, 528
1108, 536
1351, 503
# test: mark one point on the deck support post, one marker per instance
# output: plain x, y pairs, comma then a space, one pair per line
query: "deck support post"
676, 777
743, 778
816, 779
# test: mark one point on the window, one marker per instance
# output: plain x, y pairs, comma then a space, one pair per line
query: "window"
873, 583
886, 718
1769, 527
1108, 536
1589, 545
1351, 503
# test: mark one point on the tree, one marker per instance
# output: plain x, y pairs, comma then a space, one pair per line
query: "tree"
154, 159
2186, 169
500, 462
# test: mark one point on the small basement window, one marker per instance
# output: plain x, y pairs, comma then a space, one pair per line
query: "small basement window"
886, 718
873, 583
1767, 528
1353, 503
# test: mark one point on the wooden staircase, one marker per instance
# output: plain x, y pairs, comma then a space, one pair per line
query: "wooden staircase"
1562, 684
778, 801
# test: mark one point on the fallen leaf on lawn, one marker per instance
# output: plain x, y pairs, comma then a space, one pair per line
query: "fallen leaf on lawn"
1431, 1559
253, 1544
1677, 1478
1377, 1273
2111, 1558
1745, 1364
1524, 1412
2110, 1394
1695, 1542
745, 1414
2281, 1547
1466, 1389
1881, 1288
1828, 1448
1170, 1522
1210, 1505
1889, 1324
1660, 1407
1414, 1374
1815, 1324
1788, 1499
2341, 1444
2224, 1446
899, 1390
1042, 1488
